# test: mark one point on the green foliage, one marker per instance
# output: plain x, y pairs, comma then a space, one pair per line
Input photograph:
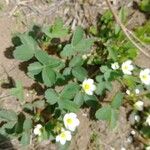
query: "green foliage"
18, 91
145, 5
28, 48
110, 112
143, 32
57, 30
8, 115
117, 101
78, 44
60, 60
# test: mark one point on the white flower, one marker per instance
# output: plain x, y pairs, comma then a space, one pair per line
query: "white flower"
115, 66
123, 148
127, 67
137, 91
137, 118
128, 92
145, 76
84, 57
148, 148
139, 105
88, 86
71, 121
133, 132
37, 129
63, 137
148, 120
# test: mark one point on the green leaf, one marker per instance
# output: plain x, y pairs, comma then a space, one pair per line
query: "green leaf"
104, 113
80, 73
35, 68
114, 118
68, 51
67, 71
48, 76
77, 36
27, 125
18, 91
104, 69
107, 74
46, 59
108, 86
84, 45
112, 53
145, 5
51, 96
76, 61
25, 139
117, 101
57, 30
79, 99
27, 50
68, 105
69, 91
39, 104
8, 115
91, 100
100, 88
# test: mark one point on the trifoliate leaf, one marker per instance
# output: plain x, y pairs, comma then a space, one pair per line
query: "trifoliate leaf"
28, 48
51, 96
57, 30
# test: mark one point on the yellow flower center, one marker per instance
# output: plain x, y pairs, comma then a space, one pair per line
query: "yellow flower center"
86, 87
144, 77
63, 135
126, 67
69, 121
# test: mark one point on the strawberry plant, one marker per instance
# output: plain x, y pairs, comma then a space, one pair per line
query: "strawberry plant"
75, 69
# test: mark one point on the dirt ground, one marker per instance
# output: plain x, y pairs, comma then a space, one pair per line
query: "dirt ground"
92, 134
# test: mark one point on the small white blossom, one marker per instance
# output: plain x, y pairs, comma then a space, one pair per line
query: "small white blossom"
122, 148
148, 148
148, 120
71, 121
37, 129
133, 132
115, 66
145, 76
137, 118
64, 136
139, 105
137, 91
128, 92
84, 57
127, 67
88, 86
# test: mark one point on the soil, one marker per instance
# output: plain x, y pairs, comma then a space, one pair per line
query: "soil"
92, 134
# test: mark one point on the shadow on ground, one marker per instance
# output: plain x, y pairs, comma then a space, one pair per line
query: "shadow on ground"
5, 143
